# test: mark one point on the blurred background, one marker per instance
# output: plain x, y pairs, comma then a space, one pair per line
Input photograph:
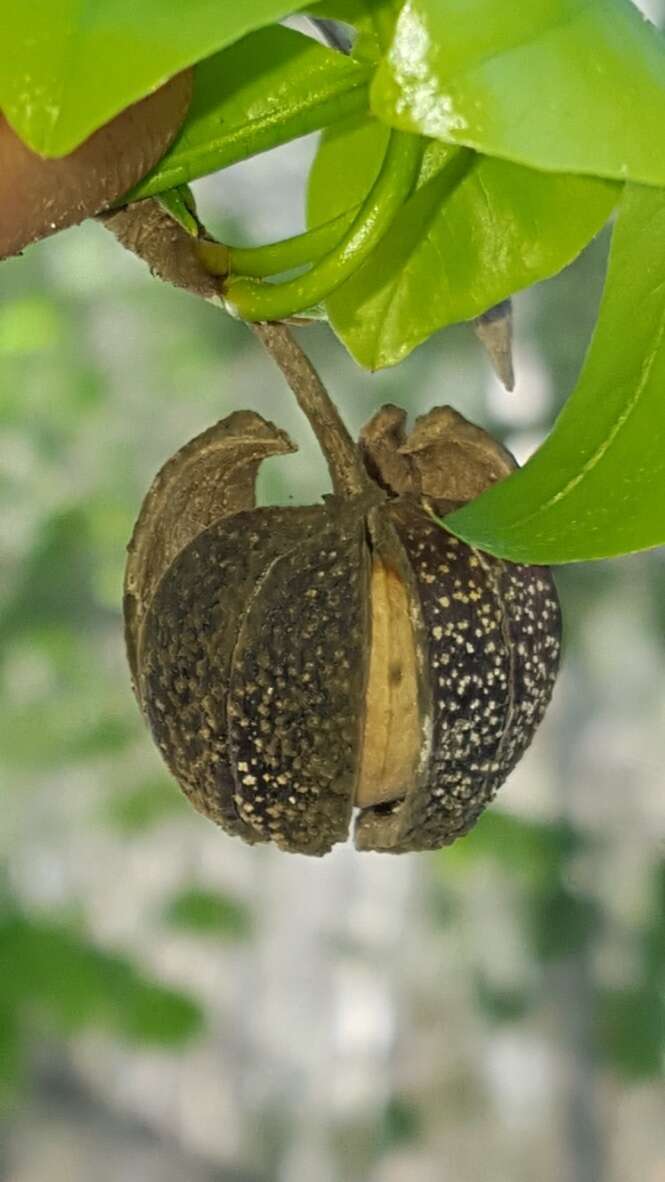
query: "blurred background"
176, 1006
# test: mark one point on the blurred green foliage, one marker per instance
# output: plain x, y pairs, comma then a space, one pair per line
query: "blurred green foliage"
560, 923
67, 713
140, 808
53, 980
532, 851
631, 1021
400, 1124
210, 913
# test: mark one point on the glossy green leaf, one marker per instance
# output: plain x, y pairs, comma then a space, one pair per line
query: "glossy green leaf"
270, 87
66, 68
596, 487
477, 230
563, 85
373, 21
362, 15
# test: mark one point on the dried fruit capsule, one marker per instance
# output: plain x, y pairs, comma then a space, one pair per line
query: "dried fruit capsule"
296, 663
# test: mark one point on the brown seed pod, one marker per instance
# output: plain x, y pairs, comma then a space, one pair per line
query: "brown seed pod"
296, 663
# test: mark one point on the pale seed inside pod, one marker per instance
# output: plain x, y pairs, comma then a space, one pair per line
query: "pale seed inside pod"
392, 734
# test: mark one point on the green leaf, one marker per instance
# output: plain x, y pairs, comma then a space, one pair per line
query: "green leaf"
563, 85
55, 582
654, 937
29, 324
631, 1030
501, 1003
67, 67
596, 487
400, 1124
152, 1014
145, 806
271, 87
561, 922
48, 971
477, 230
11, 1054
345, 167
533, 852
210, 913
371, 19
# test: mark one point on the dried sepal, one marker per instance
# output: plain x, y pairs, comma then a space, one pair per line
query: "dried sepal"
381, 441
444, 458
454, 459
211, 477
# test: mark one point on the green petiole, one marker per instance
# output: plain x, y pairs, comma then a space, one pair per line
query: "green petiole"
249, 299
274, 258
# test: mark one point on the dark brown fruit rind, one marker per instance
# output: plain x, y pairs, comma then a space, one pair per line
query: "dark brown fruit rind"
296, 690
250, 638
187, 646
493, 642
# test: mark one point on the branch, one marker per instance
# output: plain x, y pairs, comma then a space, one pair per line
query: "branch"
346, 469
149, 232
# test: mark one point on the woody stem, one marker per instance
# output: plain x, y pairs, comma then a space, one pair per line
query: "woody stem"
347, 473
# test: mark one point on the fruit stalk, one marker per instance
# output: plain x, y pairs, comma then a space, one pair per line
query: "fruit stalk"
347, 473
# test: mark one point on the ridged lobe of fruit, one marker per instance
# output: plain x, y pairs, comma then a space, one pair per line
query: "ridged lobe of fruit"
493, 648
187, 646
297, 687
